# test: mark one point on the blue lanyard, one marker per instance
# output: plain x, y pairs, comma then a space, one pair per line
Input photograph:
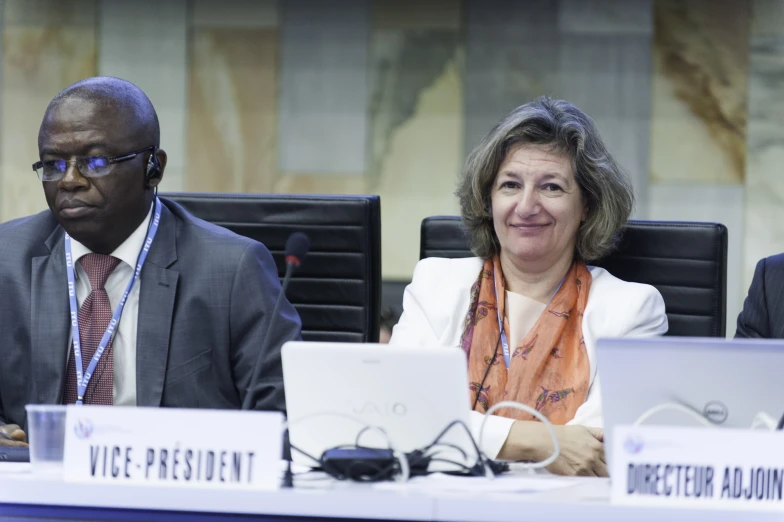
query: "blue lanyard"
504, 339
83, 379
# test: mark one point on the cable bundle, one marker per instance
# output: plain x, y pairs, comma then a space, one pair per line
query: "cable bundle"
364, 464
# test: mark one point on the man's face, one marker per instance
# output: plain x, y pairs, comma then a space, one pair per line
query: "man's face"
97, 209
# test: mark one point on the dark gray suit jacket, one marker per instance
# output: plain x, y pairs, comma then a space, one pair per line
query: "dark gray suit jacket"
763, 311
205, 303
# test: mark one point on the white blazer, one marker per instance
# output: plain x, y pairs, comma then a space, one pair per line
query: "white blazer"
436, 302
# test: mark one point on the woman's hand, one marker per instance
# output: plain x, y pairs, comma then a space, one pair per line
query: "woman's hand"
582, 448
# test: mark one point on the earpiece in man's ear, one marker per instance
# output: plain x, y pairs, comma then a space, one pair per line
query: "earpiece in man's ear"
153, 166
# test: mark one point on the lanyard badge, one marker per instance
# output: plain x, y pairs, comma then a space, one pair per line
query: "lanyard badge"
504, 340
83, 378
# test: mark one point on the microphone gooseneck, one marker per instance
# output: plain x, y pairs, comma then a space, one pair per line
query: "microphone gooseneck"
297, 246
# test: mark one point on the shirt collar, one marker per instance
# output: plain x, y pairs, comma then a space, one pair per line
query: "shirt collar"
127, 252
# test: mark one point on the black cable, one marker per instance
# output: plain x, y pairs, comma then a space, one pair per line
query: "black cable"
466, 469
308, 455
780, 425
453, 446
288, 476
481, 461
368, 470
487, 372
441, 435
382, 473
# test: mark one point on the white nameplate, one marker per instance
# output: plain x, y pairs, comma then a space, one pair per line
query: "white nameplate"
709, 468
173, 447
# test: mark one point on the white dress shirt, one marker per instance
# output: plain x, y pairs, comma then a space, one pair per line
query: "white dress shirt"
124, 342
436, 302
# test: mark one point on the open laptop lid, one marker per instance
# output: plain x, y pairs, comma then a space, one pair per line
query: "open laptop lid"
728, 382
334, 390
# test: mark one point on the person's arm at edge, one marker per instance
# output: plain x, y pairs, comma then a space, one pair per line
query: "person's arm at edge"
753, 320
11, 430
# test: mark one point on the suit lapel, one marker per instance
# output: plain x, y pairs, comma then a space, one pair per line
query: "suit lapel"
49, 321
156, 308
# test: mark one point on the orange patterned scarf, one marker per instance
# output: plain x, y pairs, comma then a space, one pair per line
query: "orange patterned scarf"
549, 370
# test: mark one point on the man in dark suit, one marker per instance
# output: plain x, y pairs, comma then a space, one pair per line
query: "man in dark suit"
763, 311
187, 333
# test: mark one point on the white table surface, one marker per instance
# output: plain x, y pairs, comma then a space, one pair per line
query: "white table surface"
587, 500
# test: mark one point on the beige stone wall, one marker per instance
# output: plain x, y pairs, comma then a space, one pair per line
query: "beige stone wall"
688, 94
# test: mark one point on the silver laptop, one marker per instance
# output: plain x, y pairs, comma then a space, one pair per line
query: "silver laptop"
727, 382
335, 390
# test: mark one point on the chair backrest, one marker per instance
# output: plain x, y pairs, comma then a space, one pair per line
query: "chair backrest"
686, 262
337, 290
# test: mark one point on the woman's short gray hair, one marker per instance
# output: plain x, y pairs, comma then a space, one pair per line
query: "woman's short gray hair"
605, 188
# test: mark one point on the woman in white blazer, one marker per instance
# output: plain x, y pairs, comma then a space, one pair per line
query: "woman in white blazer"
540, 197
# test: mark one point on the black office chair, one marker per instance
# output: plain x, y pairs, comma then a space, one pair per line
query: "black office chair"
686, 262
337, 290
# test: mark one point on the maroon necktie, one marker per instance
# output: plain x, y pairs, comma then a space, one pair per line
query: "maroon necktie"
94, 316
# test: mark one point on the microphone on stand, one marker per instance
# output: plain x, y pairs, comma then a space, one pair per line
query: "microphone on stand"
297, 246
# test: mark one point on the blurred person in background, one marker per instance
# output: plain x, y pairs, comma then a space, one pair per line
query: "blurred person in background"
763, 311
388, 321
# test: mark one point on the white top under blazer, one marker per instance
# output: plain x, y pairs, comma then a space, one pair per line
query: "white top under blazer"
435, 306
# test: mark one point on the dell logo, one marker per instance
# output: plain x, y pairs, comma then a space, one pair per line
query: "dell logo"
395, 409
715, 412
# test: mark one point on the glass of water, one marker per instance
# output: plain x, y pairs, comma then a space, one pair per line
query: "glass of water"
46, 434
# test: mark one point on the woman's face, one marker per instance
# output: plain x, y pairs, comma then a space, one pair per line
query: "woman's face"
537, 206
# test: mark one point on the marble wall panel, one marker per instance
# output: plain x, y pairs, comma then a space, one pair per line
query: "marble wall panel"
418, 176
699, 90
764, 208
416, 123
714, 203
597, 55
416, 14
299, 183
234, 13
47, 45
407, 55
232, 101
603, 17
151, 51
511, 58
322, 126
605, 69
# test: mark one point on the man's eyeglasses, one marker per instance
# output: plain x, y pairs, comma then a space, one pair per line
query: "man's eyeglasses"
89, 166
